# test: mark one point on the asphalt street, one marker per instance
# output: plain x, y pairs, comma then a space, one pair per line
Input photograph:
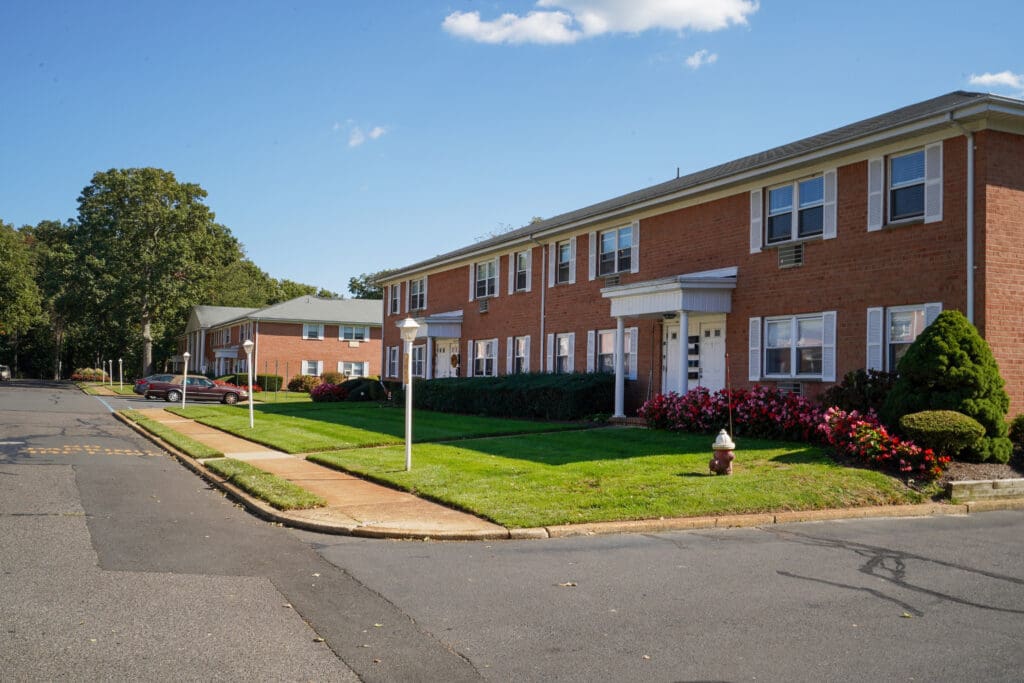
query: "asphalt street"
125, 565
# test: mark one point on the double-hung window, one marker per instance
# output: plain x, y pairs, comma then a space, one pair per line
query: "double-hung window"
352, 333
892, 330
418, 294
396, 299
796, 210
312, 367
353, 369
486, 279
393, 361
615, 251
906, 186
563, 353
312, 331
563, 264
419, 353
521, 281
520, 354
793, 346
485, 355
605, 352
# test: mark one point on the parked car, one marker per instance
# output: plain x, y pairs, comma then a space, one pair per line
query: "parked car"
199, 389
142, 384
5, 373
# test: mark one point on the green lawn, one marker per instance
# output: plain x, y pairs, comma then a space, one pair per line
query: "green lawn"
183, 443
281, 397
618, 473
278, 492
310, 427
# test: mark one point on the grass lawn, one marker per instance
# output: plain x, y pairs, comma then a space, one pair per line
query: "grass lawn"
618, 473
278, 492
281, 397
177, 439
309, 427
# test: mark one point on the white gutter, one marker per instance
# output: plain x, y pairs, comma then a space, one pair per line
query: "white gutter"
543, 289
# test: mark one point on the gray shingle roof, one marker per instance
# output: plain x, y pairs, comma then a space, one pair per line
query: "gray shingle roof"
820, 142
317, 310
211, 316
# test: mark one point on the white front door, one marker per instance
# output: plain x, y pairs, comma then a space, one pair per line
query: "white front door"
444, 351
669, 356
712, 356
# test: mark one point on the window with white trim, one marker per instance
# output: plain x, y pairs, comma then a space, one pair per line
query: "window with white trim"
419, 354
615, 250
353, 368
396, 299
906, 176
605, 352
563, 263
393, 362
521, 282
793, 346
312, 331
563, 353
892, 330
418, 294
354, 333
796, 210
312, 367
485, 358
520, 355
486, 278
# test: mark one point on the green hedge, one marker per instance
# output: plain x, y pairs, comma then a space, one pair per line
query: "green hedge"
946, 432
543, 396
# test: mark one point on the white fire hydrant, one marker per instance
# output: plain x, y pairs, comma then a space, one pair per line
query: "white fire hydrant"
723, 448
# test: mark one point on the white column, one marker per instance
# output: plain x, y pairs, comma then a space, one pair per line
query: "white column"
428, 370
620, 367
684, 353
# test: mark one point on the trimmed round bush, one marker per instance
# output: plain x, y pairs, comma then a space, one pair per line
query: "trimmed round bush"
1017, 431
946, 432
950, 367
332, 378
303, 383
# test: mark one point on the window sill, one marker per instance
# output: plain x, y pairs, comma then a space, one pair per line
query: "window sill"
799, 240
916, 220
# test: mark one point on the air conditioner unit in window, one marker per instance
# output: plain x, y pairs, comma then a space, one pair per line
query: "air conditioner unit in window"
791, 255
790, 388
484, 305
612, 280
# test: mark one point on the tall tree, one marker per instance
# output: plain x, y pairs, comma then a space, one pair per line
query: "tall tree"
365, 286
19, 296
50, 243
147, 248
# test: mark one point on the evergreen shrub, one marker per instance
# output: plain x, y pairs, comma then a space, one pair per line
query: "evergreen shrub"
946, 432
303, 383
533, 396
861, 390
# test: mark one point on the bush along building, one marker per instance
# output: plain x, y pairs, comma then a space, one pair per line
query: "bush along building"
307, 335
789, 267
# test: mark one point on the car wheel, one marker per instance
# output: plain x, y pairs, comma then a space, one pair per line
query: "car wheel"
173, 396
231, 399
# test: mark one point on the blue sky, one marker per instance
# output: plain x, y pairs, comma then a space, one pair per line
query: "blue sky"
341, 137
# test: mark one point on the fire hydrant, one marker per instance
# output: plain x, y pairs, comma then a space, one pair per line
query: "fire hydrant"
723, 448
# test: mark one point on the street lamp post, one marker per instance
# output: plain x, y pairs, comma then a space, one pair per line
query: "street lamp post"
184, 381
110, 364
247, 345
120, 373
407, 328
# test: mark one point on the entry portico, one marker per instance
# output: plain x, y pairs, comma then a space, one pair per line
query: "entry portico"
674, 297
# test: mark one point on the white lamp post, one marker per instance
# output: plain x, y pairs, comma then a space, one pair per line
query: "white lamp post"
407, 328
247, 345
184, 381
110, 364
120, 373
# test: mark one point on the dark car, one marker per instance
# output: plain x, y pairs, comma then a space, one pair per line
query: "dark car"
199, 389
142, 385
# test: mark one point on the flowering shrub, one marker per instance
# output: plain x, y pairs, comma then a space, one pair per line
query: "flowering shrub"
863, 438
89, 375
303, 383
326, 393
256, 388
761, 411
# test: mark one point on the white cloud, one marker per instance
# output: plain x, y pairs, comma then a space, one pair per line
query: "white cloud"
376, 132
567, 21
356, 134
356, 137
701, 58
1004, 79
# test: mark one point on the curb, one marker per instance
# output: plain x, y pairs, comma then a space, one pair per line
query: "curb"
642, 526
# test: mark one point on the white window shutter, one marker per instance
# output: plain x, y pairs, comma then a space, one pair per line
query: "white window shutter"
933, 183
756, 220
508, 355
551, 353
526, 354
472, 282
634, 250
572, 260
754, 346
876, 331
592, 262
529, 269
470, 358
551, 264
319, 368
367, 333
512, 272
425, 304
828, 346
497, 276
931, 312
876, 193
572, 352
632, 331
590, 351
829, 209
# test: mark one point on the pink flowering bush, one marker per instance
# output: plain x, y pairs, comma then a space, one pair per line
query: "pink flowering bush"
328, 393
256, 388
863, 438
762, 412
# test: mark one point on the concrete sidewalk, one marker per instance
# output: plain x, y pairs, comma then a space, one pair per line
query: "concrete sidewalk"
361, 508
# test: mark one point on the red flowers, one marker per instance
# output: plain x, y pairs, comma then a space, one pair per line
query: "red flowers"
864, 438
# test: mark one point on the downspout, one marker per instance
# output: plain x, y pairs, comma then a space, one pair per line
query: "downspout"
970, 217
543, 288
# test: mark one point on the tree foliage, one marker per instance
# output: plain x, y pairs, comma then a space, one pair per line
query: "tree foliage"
20, 301
950, 367
365, 286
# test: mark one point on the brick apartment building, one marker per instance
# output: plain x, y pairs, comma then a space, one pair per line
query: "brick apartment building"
789, 267
307, 335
